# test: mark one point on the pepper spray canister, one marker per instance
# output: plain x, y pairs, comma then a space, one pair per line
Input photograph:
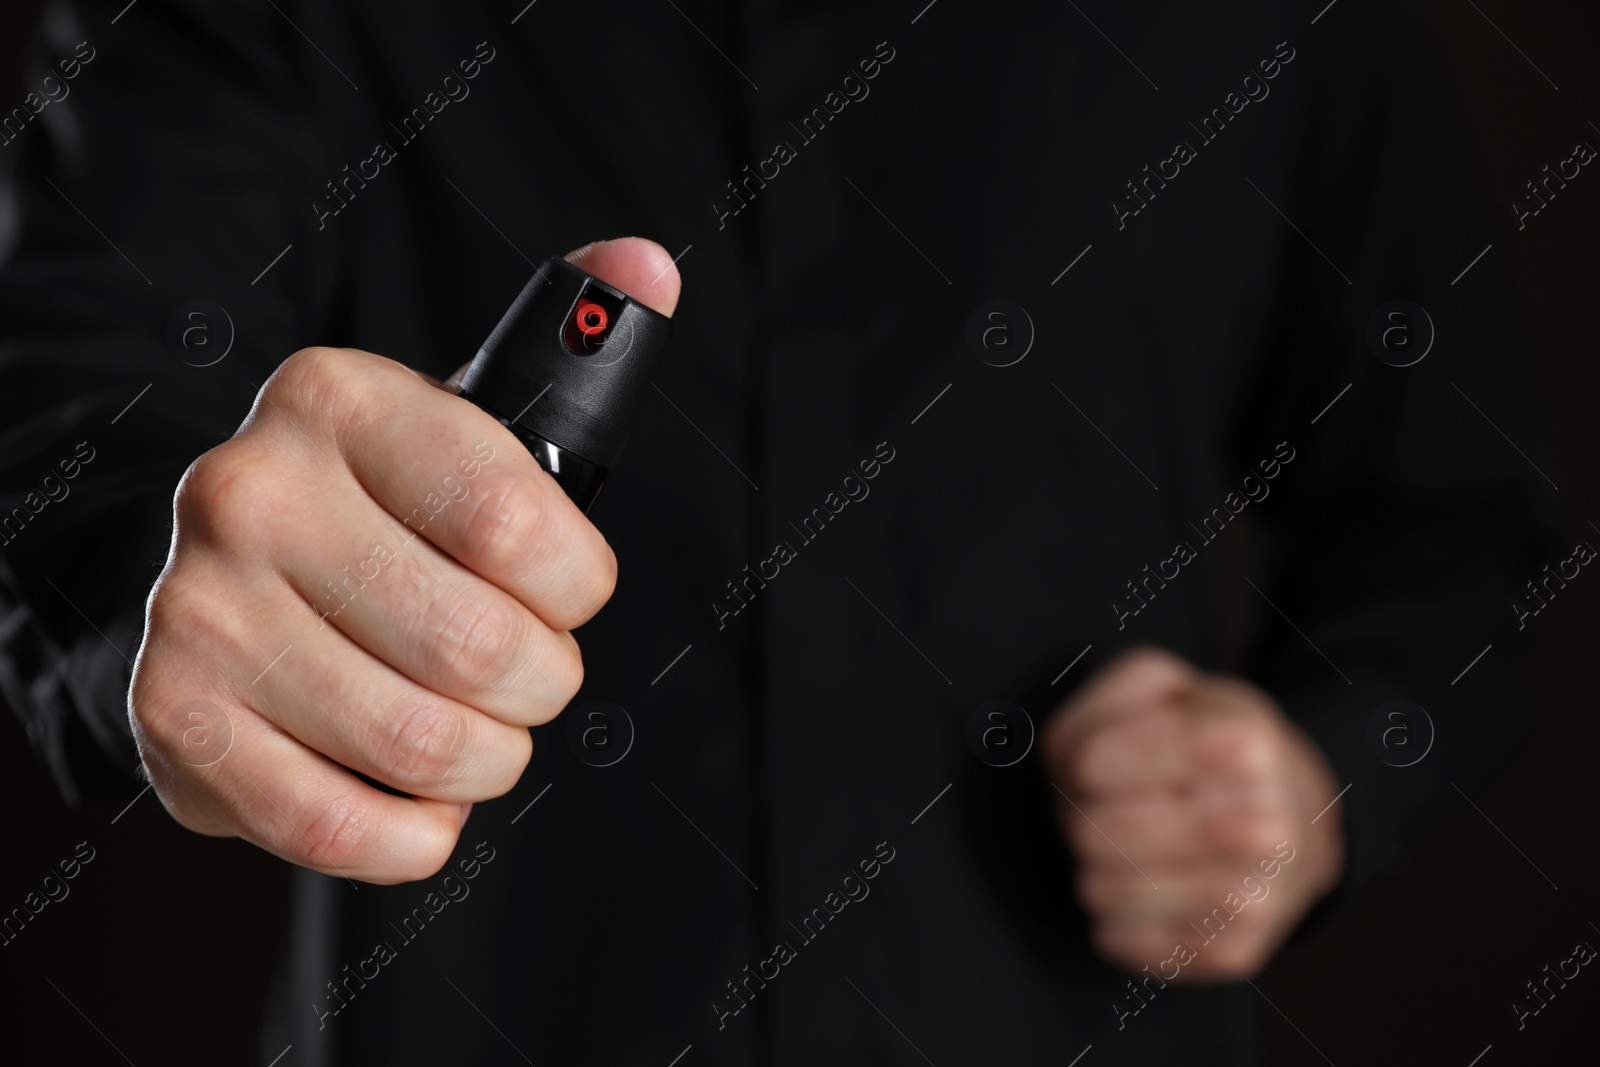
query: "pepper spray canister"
565, 370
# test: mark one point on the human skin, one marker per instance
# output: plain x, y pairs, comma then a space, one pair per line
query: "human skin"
1174, 785
262, 693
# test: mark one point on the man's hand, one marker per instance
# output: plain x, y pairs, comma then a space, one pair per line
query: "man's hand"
371, 576
1189, 800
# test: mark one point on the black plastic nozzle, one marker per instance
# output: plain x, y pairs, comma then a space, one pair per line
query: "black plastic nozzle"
565, 369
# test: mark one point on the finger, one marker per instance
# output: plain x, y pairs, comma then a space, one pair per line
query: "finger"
1178, 828
432, 620
1137, 680
1239, 955
447, 470
341, 701
642, 269
438, 464
1251, 833
1235, 734
1151, 829
273, 791
1134, 945
1138, 677
1177, 952
520, 532
638, 267
1181, 893
1129, 754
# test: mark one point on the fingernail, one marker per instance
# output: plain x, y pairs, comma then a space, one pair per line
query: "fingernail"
466, 809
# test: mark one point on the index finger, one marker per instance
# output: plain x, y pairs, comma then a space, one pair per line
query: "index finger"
1138, 680
447, 470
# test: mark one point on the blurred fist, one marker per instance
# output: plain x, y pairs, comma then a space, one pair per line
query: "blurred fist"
1189, 799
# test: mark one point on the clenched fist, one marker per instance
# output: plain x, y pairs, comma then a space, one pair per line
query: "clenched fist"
371, 576
1189, 799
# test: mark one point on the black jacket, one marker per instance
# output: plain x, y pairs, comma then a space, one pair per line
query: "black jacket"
1197, 212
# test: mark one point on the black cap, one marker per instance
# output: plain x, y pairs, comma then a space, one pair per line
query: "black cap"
570, 361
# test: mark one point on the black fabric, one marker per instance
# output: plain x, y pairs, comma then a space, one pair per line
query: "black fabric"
1191, 342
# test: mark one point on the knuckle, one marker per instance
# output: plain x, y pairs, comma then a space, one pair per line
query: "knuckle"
176, 601
1248, 748
421, 748
500, 528
1105, 757
465, 646
1155, 658
325, 392
1257, 754
168, 728
157, 731
222, 495
163, 612
149, 739
307, 378
194, 629
1255, 833
337, 836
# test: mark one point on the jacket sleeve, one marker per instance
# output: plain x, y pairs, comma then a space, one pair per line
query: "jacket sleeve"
1421, 500
149, 173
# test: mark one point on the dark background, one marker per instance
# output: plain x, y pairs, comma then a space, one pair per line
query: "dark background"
182, 932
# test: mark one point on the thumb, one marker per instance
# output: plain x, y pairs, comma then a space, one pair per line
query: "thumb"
1141, 678
639, 267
